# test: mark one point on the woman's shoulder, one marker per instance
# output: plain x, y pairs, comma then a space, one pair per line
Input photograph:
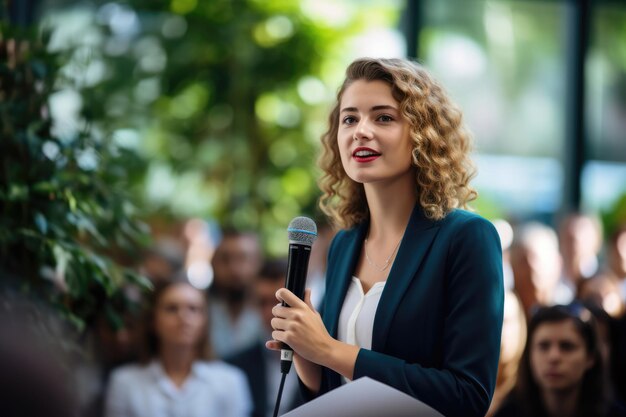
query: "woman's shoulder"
460, 217
462, 222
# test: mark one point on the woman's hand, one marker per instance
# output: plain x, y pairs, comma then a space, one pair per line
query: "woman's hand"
300, 326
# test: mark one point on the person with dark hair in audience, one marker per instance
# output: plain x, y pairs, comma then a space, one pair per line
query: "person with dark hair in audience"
261, 365
614, 274
562, 372
616, 258
176, 376
162, 259
603, 292
234, 322
536, 264
580, 241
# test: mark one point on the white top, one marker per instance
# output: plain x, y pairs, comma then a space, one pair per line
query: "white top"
356, 320
228, 337
212, 389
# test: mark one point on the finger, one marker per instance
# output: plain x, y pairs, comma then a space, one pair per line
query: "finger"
278, 324
282, 312
273, 345
278, 335
290, 298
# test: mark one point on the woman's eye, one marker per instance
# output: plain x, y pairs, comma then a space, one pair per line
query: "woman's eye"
543, 346
170, 309
348, 120
385, 118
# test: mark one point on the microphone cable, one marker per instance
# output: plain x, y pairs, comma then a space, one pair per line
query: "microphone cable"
285, 366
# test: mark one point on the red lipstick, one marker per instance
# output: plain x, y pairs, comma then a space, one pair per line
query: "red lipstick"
363, 154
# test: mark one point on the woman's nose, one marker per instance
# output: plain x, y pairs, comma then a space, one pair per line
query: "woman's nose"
554, 354
363, 130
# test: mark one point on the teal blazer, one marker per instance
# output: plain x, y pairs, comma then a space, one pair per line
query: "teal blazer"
438, 324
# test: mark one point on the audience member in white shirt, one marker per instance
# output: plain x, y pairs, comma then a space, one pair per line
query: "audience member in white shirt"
176, 377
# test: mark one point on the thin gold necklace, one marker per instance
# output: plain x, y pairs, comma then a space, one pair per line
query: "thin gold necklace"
386, 265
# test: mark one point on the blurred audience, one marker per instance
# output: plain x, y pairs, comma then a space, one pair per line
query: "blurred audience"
536, 264
161, 261
580, 241
505, 232
200, 242
35, 363
176, 376
262, 366
602, 291
561, 372
114, 338
235, 323
612, 280
511, 349
616, 259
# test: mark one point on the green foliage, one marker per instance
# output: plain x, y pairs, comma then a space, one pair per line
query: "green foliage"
226, 100
177, 108
615, 216
67, 225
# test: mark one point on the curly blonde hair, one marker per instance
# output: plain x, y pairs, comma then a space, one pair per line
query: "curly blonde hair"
441, 144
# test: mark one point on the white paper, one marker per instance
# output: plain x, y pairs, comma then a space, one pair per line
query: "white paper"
364, 398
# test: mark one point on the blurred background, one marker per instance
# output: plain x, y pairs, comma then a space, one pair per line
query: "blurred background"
137, 131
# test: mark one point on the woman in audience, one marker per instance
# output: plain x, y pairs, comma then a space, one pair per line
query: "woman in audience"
561, 372
176, 377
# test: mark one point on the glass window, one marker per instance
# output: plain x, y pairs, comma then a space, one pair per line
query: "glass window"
505, 64
604, 176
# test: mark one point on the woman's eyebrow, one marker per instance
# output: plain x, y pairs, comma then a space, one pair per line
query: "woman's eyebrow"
375, 108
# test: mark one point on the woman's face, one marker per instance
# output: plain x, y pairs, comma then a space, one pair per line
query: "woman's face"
558, 356
373, 137
180, 316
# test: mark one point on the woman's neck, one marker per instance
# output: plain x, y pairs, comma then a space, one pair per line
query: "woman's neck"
177, 363
561, 403
390, 206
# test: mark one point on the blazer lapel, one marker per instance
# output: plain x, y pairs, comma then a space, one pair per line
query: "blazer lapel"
417, 238
345, 262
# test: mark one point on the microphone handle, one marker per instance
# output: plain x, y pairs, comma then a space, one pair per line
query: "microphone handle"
297, 268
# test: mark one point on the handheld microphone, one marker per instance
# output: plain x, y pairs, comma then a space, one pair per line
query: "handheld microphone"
302, 232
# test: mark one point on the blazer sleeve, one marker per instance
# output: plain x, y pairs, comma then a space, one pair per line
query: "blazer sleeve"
473, 310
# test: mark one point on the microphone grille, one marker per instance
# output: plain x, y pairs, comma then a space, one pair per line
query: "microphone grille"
302, 230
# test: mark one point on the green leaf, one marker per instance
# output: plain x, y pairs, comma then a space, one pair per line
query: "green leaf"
45, 187
41, 223
141, 280
62, 258
70, 199
18, 192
